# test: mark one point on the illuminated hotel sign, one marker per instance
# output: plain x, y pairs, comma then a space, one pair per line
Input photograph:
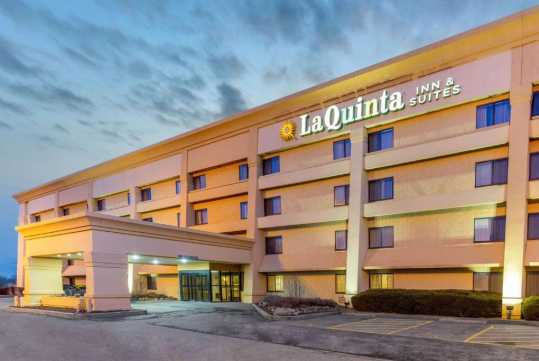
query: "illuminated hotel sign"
335, 118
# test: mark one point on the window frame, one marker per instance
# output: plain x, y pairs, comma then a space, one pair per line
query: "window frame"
178, 187
344, 143
490, 241
530, 166
65, 212
153, 282
346, 195
203, 210
493, 113
246, 172
528, 232
345, 240
379, 132
274, 283
149, 219
70, 262
198, 179
37, 218
178, 218
492, 176
128, 198
271, 199
274, 238
379, 180
535, 98
381, 247
336, 277
388, 273
148, 192
246, 210
270, 160
101, 205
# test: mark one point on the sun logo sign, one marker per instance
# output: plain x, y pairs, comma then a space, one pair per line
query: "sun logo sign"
288, 131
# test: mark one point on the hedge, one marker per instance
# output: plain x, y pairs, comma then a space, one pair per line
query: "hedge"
455, 303
293, 302
530, 308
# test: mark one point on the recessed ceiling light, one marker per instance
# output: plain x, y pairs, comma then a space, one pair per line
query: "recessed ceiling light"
135, 256
79, 254
184, 260
155, 261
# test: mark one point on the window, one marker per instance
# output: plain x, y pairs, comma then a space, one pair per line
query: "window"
381, 140
178, 187
70, 262
340, 283
149, 219
244, 171
532, 283
243, 210
271, 165
199, 182
272, 206
341, 195
275, 283
341, 149
534, 166
128, 198
381, 281
535, 104
274, 245
489, 229
491, 172
178, 217
493, 114
201, 216
72, 281
101, 205
146, 194
151, 282
381, 189
38, 219
533, 226
66, 211
341, 240
488, 281
381, 237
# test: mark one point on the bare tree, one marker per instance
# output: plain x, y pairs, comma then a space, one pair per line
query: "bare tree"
294, 287
139, 286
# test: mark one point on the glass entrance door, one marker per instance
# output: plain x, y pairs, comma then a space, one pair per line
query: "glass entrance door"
194, 286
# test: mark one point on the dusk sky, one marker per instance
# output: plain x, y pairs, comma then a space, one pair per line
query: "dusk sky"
82, 82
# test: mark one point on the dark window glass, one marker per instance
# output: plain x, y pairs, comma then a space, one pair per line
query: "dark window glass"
70, 262
38, 219
179, 216
151, 282
534, 166
341, 195
275, 283
488, 281
271, 165
274, 245
128, 198
244, 171
535, 104
532, 283
243, 210
178, 187
146, 194
341, 240
489, 229
149, 219
381, 281
381, 237
381, 140
381, 189
199, 182
493, 114
72, 281
341, 149
491, 172
533, 226
340, 283
66, 211
101, 205
201, 216
272, 206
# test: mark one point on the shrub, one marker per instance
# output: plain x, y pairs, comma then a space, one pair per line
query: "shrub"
293, 302
455, 303
530, 308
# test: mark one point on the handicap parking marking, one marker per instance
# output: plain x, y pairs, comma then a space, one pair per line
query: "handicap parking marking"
511, 336
380, 326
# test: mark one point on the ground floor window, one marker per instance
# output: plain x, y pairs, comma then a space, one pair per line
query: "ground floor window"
340, 283
488, 281
275, 283
72, 281
151, 283
381, 281
532, 283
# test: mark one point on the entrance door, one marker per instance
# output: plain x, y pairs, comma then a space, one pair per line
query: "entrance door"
194, 286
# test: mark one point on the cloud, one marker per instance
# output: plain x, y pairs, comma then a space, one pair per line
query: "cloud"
85, 123
80, 58
226, 66
139, 69
168, 122
5, 125
14, 108
10, 62
47, 140
60, 128
231, 100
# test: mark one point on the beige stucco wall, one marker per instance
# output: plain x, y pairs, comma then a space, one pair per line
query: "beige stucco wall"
316, 284
117, 200
309, 239
168, 285
77, 207
221, 176
46, 215
434, 281
222, 210
163, 190
165, 216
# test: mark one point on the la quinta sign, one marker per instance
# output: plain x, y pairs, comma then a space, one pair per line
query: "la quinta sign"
336, 117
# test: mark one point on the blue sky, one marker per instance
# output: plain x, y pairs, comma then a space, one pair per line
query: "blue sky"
82, 82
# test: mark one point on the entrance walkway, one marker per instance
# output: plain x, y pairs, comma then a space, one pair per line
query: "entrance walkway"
187, 307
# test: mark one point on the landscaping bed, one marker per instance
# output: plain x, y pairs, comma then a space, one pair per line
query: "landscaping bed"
450, 303
291, 306
530, 308
150, 297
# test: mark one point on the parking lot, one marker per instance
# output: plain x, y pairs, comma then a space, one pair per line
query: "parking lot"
175, 330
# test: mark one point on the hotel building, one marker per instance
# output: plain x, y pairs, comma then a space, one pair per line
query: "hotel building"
420, 172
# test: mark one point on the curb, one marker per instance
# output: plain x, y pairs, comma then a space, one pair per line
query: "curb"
269, 317
76, 316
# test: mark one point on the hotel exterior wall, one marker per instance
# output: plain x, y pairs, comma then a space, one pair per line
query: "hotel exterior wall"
222, 210
163, 190
310, 239
115, 201
221, 176
165, 216
316, 285
433, 281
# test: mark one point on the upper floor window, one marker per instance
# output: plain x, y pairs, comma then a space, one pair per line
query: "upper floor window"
38, 218
341, 240
70, 262
534, 166
381, 281
201, 216
243, 210
66, 211
491, 172
489, 229
493, 114
341, 149
381, 140
178, 217
244, 171
535, 104
149, 219
381, 189
199, 182
274, 245
340, 283
272, 206
533, 226
381, 237
341, 195
101, 205
271, 165
146, 194
178, 187
128, 198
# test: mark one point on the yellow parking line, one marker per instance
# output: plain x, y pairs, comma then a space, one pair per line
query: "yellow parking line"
378, 326
408, 328
477, 334
351, 323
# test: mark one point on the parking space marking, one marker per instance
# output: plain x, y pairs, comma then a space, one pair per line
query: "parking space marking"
379, 326
522, 337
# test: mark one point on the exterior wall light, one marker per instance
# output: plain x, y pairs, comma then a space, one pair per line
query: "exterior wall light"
509, 310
